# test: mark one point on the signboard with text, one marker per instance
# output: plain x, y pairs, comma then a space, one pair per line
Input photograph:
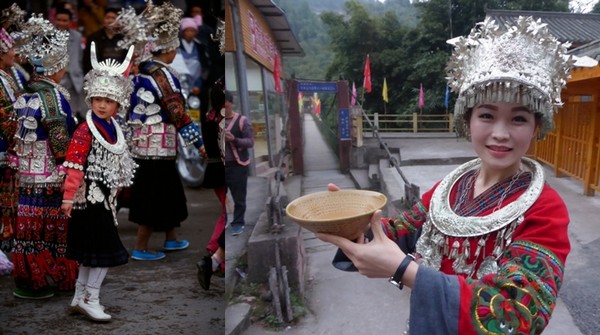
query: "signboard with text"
316, 86
344, 124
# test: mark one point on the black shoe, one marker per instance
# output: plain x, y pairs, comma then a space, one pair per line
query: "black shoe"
205, 272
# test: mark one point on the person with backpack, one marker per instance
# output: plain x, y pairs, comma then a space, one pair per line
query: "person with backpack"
239, 137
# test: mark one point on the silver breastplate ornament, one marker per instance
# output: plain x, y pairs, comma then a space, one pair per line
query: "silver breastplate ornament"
443, 225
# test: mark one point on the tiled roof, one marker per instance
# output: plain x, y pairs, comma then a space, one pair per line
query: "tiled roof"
576, 28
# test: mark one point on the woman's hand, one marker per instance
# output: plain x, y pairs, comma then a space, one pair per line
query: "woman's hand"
378, 258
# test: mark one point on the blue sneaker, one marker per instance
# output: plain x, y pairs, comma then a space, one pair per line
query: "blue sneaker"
145, 255
236, 230
174, 245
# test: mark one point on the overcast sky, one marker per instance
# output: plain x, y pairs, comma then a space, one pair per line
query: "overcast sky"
579, 6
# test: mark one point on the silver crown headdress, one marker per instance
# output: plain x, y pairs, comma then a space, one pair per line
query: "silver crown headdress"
109, 79
162, 24
523, 64
14, 18
45, 46
131, 26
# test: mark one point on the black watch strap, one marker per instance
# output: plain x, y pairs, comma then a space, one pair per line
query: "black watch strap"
396, 279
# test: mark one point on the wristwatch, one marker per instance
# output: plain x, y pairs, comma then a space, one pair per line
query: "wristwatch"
396, 279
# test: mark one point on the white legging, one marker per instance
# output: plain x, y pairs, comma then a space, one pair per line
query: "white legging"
91, 277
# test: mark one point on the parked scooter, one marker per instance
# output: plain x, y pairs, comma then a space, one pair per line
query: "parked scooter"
190, 164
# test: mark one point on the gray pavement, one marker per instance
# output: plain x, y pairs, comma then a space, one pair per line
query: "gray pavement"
348, 303
144, 298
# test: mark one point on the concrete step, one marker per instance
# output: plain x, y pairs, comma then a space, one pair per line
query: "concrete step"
360, 178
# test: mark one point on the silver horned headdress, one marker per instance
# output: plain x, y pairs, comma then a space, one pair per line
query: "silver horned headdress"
45, 46
162, 24
522, 64
109, 79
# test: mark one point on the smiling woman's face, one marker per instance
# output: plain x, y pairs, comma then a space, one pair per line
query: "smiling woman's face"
501, 134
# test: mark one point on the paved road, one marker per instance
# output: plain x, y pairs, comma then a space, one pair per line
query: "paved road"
161, 297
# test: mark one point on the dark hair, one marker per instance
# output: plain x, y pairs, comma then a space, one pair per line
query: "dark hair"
62, 10
228, 96
112, 10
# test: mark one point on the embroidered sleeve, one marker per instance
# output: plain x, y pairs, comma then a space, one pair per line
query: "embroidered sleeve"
55, 122
522, 295
79, 148
173, 103
408, 221
8, 121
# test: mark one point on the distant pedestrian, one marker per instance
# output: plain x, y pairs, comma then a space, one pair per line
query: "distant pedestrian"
213, 124
157, 117
73, 78
239, 137
494, 235
98, 165
106, 39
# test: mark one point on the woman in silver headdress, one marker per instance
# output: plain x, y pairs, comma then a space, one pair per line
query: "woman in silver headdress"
157, 118
490, 258
45, 126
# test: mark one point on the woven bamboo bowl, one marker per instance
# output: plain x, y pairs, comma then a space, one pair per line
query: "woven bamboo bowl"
344, 213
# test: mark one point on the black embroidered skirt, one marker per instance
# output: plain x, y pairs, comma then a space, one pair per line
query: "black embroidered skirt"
93, 239
157, 198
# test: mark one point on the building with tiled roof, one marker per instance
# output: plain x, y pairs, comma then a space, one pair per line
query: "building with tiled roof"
577, 28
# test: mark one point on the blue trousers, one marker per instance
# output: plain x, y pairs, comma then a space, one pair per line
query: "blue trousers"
236, 178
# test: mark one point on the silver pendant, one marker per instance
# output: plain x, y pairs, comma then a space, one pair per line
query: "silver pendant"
30, 138
147, 96
489, 265
33, 103
152, 109
139, 109
154, 119
30, 123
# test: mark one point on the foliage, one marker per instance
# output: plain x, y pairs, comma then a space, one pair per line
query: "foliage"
596, 8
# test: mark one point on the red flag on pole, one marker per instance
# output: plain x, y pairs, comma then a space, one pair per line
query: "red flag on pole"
277, 75
367, 75
421, 98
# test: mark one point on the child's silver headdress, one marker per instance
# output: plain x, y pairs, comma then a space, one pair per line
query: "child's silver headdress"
45, 46
523, 64
109, 79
